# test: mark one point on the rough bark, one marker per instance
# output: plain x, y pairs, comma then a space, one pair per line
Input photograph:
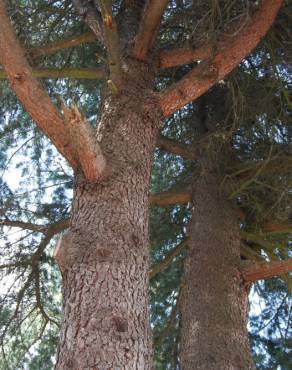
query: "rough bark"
104, 255
214, 302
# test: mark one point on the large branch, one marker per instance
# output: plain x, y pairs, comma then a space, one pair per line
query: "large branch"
78, 73
265, 270
201, 78
62, 132
149, 26
29, 91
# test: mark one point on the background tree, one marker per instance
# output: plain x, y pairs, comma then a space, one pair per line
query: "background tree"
222, 34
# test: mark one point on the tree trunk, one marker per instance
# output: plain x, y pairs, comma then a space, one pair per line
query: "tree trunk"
214, 303
104, 256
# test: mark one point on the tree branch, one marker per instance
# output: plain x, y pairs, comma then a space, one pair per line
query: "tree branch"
252, 272
78, 73
111, 40
180, 56
23, 225
168, 198
29, 91
39, 105
53, 48
167, 260
149, 26
174, 147
202, 77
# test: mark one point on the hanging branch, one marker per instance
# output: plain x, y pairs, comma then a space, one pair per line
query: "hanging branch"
148, 28
205, 75
252, 272
91, 17
112, 41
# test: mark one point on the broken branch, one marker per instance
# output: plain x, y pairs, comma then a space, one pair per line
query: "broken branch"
29, 91
83, 140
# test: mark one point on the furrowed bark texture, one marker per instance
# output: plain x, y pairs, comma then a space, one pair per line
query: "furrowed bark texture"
214, 302
104, 256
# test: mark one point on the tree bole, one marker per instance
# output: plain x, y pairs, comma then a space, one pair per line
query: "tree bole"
215, 300
104, 256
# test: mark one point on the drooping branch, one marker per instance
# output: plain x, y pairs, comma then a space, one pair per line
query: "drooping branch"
91, 17
174, 147
202, 77
29, 91
254, 271
149, 26
111, 40
83, 140
78, 73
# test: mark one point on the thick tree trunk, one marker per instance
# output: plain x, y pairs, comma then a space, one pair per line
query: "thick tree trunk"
214, 303
104, 256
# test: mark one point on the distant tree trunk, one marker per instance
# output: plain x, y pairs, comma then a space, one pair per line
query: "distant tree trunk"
104, 256
214, 303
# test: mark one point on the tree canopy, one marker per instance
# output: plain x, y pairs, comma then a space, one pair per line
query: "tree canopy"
239, 118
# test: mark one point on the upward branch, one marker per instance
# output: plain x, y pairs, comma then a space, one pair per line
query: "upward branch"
29, 91
201, 78
149, 26
111, 40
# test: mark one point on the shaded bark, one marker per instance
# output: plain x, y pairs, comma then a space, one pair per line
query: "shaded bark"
214, 302
104, 255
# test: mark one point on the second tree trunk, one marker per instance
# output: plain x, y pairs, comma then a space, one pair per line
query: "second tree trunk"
214, 304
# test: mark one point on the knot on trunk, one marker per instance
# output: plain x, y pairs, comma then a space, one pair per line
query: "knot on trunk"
67, 251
